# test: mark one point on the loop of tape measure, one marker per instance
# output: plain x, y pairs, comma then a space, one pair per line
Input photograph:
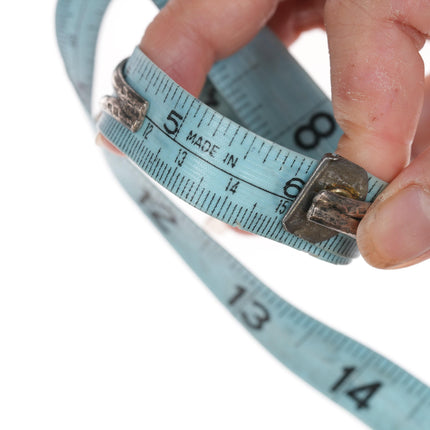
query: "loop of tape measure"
217, 160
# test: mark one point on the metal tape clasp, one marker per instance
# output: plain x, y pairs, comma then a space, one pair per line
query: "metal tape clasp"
128, 107
331, 202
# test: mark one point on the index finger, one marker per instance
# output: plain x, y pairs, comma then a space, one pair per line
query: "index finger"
377, 78
188, 36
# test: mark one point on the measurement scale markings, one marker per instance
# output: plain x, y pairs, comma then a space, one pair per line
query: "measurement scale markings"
202, 117
212, 117
269, 233
234, 134
149, 161
198, 108
210, 202
157, 173
249, 110
149, 71
164, 171
180, 183
204, 201
244, 102
380, 418
174, 92
155, 165
189, 191
171, 177
243, 139
216, 205
240, 76
226, 211
150, 80
220, 209
254, 224
148, 153
283, 162
231, 214
219, 168
301, 119
165, 85
168, 92
185, 186
250, 147
226, 129
200, 196
264, 127
186, 114
264, 223
243, 216
176, 180
198, 186
155, 82
217, 127
178, 99
159, 85
418, 407
81, 13
268, 152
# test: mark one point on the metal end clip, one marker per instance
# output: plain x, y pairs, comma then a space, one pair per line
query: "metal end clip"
331, 202
128, 108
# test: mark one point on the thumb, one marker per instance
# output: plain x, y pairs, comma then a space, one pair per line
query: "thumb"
396, 230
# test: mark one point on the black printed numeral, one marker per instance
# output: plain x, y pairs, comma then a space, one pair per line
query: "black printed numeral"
257, 314
361, 394
148, 131
232, 186
282, 207
180, 158
160, 214
172, 123
293, 187
320, 125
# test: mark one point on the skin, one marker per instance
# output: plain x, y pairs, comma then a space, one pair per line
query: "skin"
381, 98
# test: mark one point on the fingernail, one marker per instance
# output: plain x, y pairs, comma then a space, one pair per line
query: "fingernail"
397, 230
99, 140
103, 142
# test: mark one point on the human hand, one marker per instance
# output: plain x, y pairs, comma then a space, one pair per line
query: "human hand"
378, 89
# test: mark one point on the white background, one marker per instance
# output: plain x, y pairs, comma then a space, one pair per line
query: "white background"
102, 326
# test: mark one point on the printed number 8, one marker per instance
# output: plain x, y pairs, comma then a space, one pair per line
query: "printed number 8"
321, 125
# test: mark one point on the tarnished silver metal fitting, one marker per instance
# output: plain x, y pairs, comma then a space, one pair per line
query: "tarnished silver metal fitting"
331, 202
128, 107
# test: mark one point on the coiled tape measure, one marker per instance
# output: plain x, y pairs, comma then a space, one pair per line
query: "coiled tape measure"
214, 156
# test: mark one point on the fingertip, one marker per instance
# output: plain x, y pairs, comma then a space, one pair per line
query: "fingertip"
173, 48
395, 232
369, 151
377, 82
104, 143
368, 249
188, 36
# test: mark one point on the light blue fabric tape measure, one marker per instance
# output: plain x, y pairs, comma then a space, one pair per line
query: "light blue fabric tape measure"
223, 160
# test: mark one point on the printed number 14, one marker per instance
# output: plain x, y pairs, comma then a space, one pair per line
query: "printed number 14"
362, 394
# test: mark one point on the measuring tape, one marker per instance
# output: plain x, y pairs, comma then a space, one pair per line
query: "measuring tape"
213, 156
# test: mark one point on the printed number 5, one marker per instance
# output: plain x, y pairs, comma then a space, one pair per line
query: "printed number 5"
173, 118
